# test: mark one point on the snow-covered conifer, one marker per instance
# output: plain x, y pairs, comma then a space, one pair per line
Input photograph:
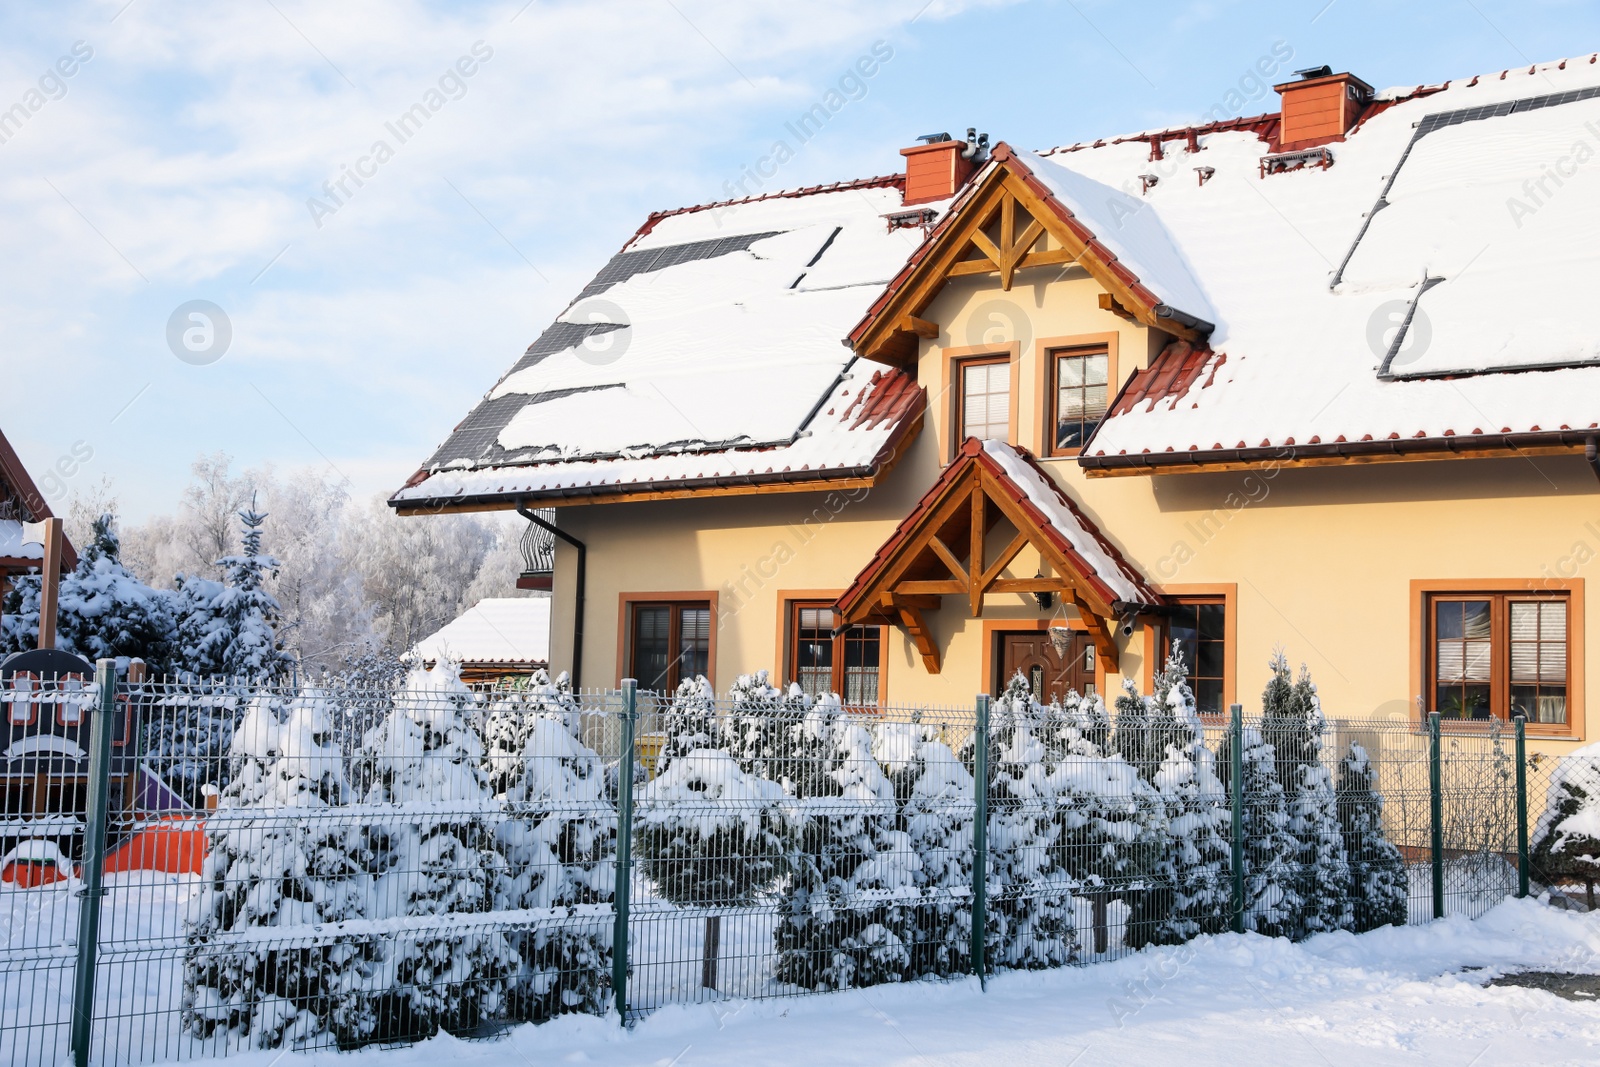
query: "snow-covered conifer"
1566, 840
509, 721
559, 838
435, 857
1380, 889
1272, 901
281, 856
690, 722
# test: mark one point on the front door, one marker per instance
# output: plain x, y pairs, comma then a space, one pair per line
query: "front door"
1049, 673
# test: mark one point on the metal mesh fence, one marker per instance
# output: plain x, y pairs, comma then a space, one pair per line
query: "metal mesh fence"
341, 866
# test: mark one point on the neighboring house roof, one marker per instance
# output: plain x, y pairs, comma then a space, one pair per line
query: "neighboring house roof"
20, 502
705, 356
1466, 212
495, 630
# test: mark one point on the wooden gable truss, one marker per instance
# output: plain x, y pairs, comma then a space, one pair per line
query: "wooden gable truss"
945, 548
1008, 222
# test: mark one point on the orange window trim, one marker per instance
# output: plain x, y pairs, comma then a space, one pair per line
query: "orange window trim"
950, 387
1228, 593
625, 605
1044, 352
790, 601
1423, 590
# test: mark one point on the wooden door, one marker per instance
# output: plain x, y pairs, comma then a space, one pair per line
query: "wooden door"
1049, 673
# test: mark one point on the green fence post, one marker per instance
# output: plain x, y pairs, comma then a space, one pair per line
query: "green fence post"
1522, 806
980, 839
1236, 777
101, 722
619, 934
1436, 814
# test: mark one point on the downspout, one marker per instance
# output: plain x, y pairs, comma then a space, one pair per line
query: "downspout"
583, 569
1591, 452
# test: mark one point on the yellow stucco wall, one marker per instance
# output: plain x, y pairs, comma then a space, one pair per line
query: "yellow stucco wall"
1323, 558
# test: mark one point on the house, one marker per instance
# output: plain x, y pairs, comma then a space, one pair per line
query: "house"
1322, 378
498, 637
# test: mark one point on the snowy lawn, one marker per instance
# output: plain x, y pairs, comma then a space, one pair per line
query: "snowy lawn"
1414, 995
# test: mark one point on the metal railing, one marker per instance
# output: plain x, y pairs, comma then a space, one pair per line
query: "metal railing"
336, 866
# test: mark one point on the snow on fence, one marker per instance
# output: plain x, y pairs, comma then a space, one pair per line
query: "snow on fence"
378, 864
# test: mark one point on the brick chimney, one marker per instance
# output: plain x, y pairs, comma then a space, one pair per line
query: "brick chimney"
1320, 107
935, 169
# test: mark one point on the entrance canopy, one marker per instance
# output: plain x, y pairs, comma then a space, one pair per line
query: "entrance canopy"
943, 549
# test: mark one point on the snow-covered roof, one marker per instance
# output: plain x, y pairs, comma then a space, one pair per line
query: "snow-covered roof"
1470, 207
11, 545
708, 348
494, 630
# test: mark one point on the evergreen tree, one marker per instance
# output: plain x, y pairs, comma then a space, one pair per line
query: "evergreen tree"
690, 722
1380, 889
1272, 903
756, 728
250, 613
1190, 886
1292, 721
280, 857
435, 858
1566, 844
559, 839
510, 718
848, 912
202, 635
188, 729
934, 792
102, 611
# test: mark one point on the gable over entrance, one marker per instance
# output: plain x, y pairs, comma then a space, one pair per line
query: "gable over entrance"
1025, 211
943, 548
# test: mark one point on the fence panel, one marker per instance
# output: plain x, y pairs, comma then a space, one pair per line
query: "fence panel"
333, 867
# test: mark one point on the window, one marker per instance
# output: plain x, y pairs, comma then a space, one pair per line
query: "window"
1081, 381
1198, 628
985, 399
670, 643
1498, 655
849, 664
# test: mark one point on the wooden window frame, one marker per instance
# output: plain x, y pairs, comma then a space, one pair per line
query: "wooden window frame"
1423, 594
1045, 351
627, 603
790, 603
955, 360
1226, 593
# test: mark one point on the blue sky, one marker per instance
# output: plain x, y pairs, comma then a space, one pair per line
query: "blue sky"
177, 160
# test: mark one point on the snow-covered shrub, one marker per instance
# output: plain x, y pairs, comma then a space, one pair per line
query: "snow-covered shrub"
935, 793
1292, 722
1566, 840
1189, 884
1271, 870
1380, 889
756, 727
847, 915
1030, 894
559, 839
282, 859
102, 611
435, 857
509, 721
690, 722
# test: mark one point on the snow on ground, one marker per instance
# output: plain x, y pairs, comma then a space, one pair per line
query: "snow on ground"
1413, 995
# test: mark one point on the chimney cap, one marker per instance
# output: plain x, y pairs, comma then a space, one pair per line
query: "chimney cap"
934, 138
1308, 73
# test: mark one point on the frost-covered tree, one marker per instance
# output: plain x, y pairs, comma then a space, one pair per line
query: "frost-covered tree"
935, 795
1293, 723
690, 722
1189, 885
847, 916
766, 732
1030, 893
435, 858
202, 637
709, 835
559, 839
1566, 840
1380, 889
281, 857
247, 612
510, 717
1272, 901
102, 611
